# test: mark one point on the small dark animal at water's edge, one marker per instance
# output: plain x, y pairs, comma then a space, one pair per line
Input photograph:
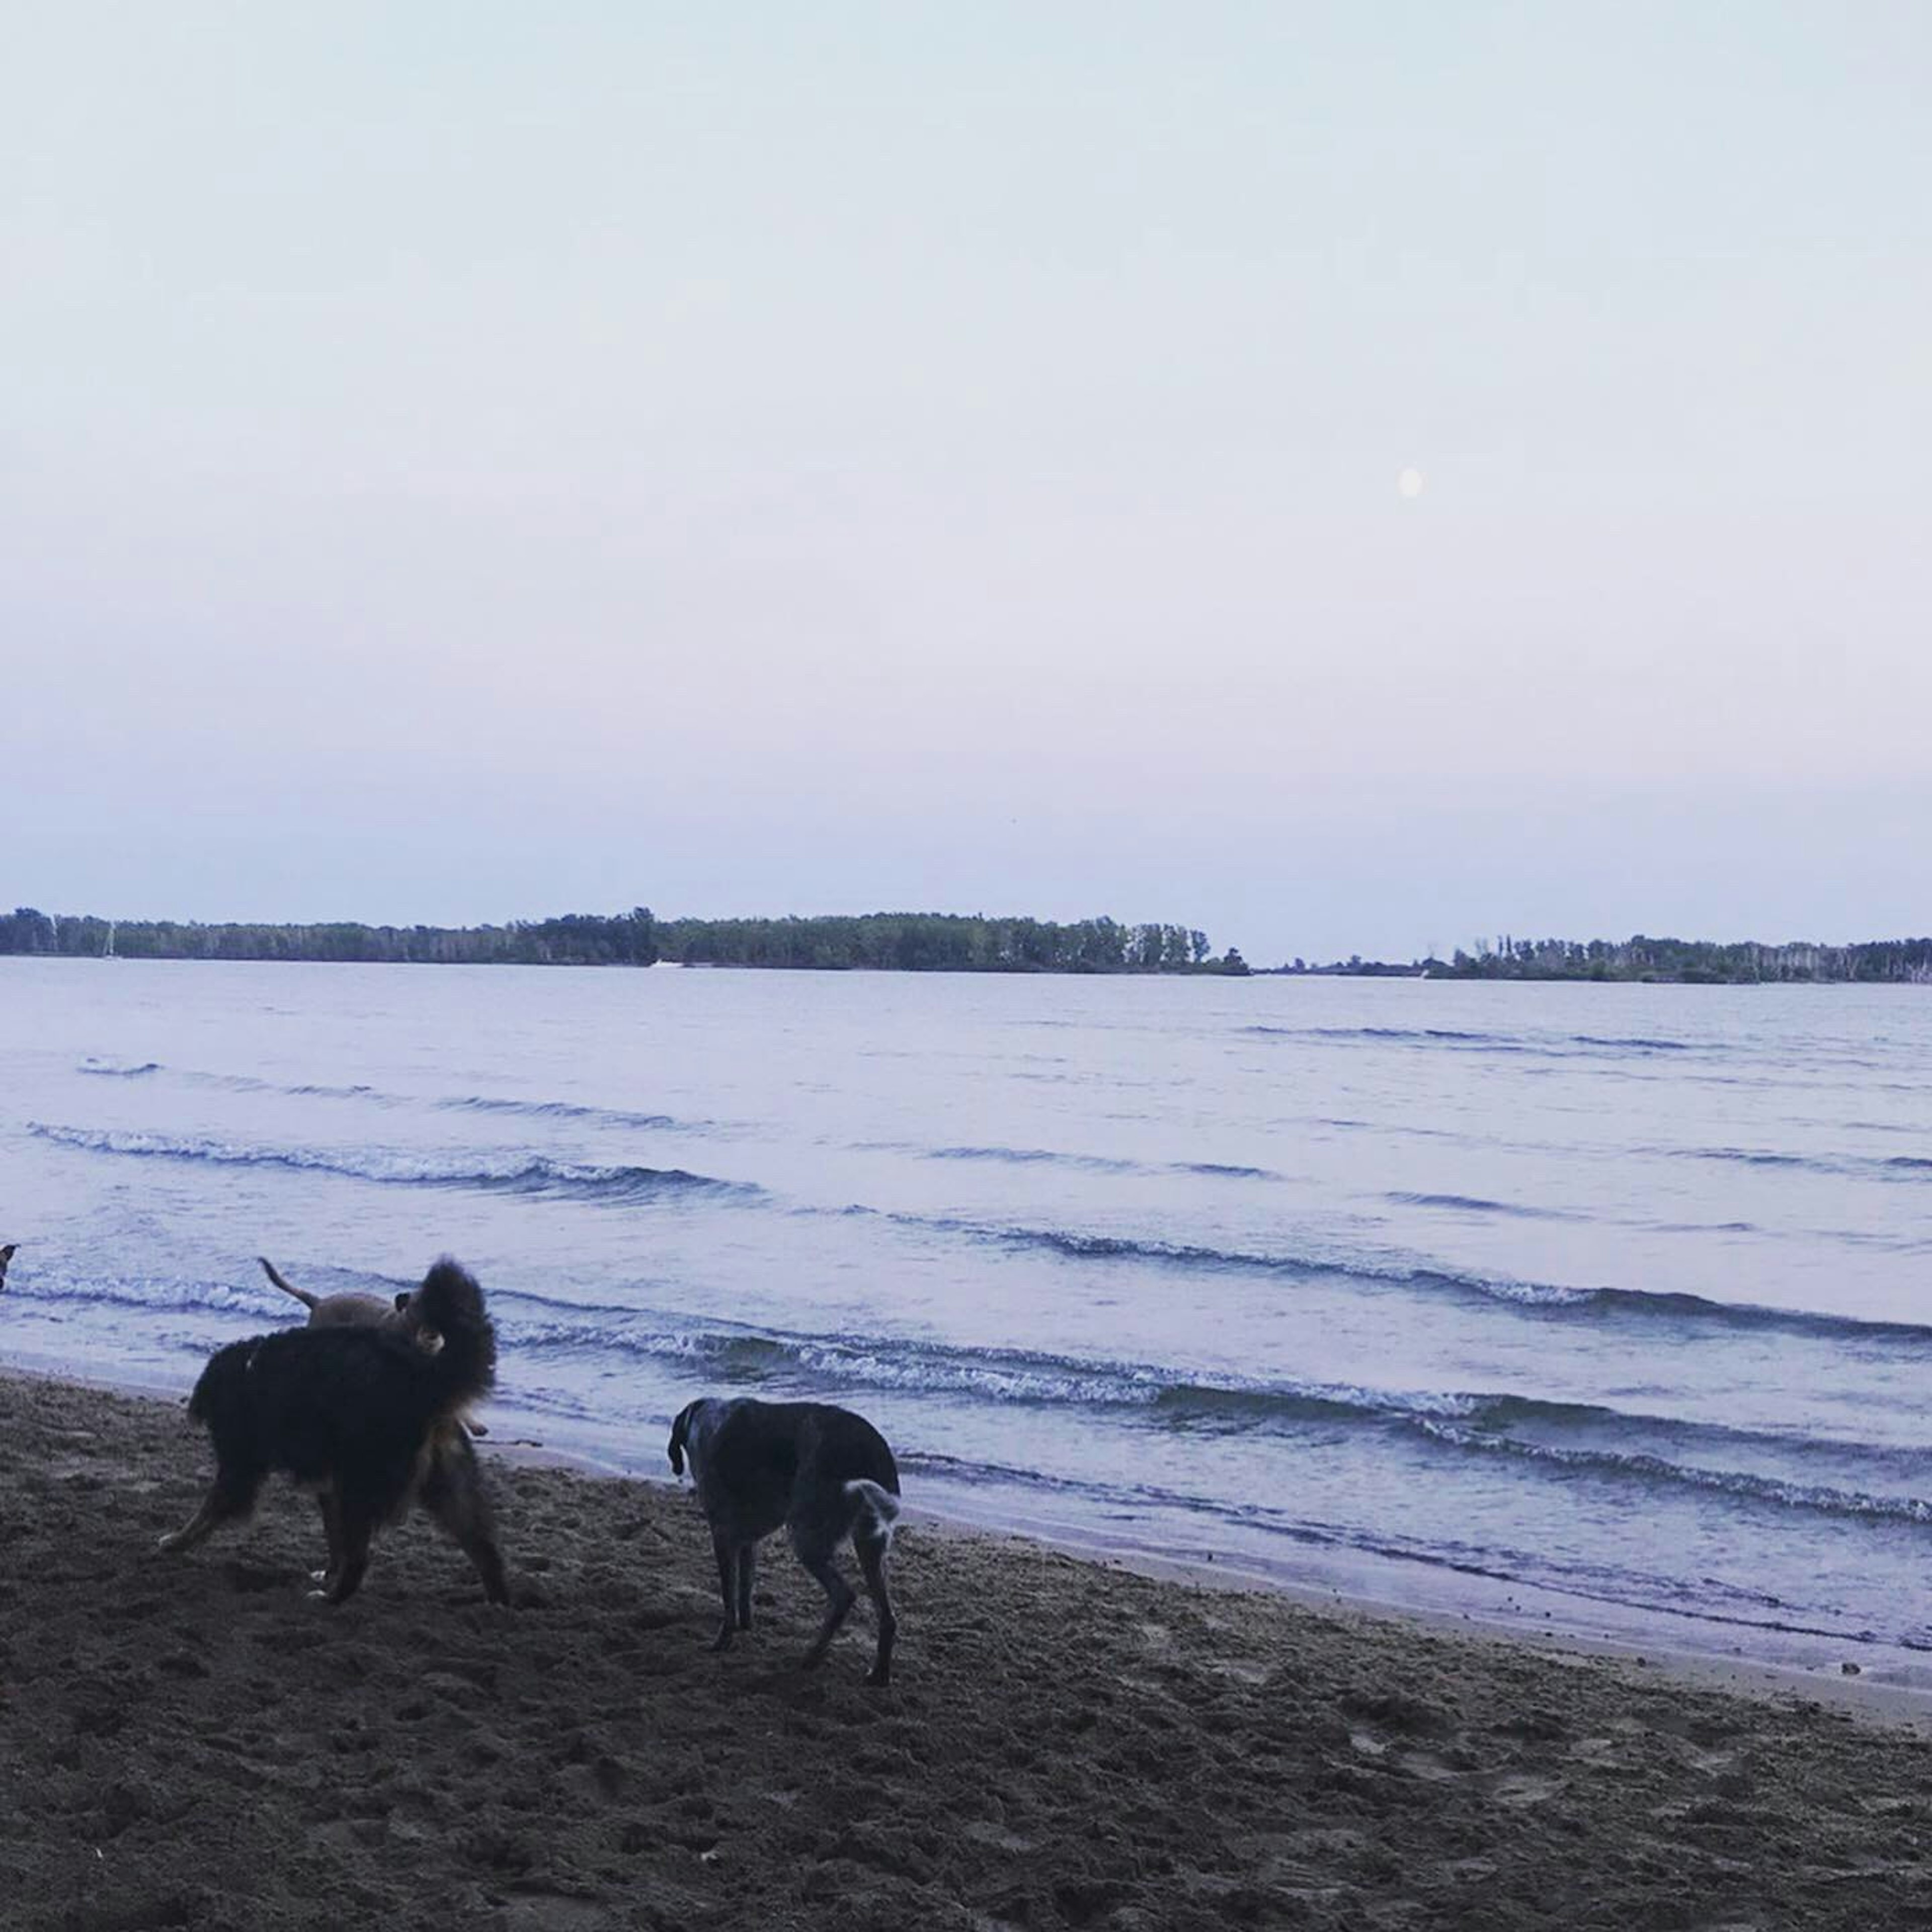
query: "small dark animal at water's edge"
6, 1255
820, 1473
366, 1415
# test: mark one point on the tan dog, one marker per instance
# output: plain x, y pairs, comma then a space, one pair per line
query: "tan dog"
327, 1311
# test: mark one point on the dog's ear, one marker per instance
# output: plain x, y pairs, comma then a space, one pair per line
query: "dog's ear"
680, 1435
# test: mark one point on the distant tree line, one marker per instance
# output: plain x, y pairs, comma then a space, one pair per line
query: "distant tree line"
898, 942
1356, 967
1695, 962
1691, 962
943, 942
576, 939
1662, 960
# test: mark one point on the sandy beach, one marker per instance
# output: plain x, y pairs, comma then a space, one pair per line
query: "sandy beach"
191, 1741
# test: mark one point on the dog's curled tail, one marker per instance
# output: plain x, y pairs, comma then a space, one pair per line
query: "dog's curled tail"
450, 1303
878, 1508
301, 1294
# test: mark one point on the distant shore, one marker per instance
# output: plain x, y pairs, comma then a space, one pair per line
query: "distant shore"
901, 942
881, 942
1652, 962
192, 1741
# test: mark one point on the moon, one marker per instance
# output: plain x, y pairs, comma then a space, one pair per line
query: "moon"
1409, 484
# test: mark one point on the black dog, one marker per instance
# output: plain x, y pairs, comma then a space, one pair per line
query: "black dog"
327, 1311
6, 1255
365, 1414
822, 1474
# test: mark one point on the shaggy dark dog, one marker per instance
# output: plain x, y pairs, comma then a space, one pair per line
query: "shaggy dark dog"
822, 1474
367, 1417
328, 1311
6, 1255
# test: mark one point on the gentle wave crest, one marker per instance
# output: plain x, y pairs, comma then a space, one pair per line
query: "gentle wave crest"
1089, 1163
1898, 1167
1566, 1046
1543, 1298
530, 1175
1641, 1467
457, 1103
1470, 1204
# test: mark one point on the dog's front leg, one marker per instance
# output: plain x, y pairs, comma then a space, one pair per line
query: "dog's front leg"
727, 1576
747, 1562
354, 1527
452, 1492
325, 1580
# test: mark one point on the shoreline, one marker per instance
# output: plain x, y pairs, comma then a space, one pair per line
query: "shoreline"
1860, 1691
191, 1741
1863, 1692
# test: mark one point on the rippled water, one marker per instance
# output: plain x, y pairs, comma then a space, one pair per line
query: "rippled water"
1607, 1303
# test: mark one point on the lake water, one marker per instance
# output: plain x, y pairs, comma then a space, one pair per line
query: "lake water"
1606, 1306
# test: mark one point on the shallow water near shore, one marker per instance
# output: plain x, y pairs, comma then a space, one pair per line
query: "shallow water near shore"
1602, 1307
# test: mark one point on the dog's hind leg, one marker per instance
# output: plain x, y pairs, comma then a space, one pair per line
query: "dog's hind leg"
871, 1551
453, 1494
748, 1564
727, 1553
818, 1559
226, 1501
355, 1526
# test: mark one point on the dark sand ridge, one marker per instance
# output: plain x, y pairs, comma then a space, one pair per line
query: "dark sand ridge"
189, 1741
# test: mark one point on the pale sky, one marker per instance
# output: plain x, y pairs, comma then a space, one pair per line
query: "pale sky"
463, 462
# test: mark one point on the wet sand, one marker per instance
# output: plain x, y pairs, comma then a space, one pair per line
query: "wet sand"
192, 1741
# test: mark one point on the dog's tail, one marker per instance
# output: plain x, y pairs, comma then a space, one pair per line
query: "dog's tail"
878, 1509
449, 1302
680, 1445
301, 1294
